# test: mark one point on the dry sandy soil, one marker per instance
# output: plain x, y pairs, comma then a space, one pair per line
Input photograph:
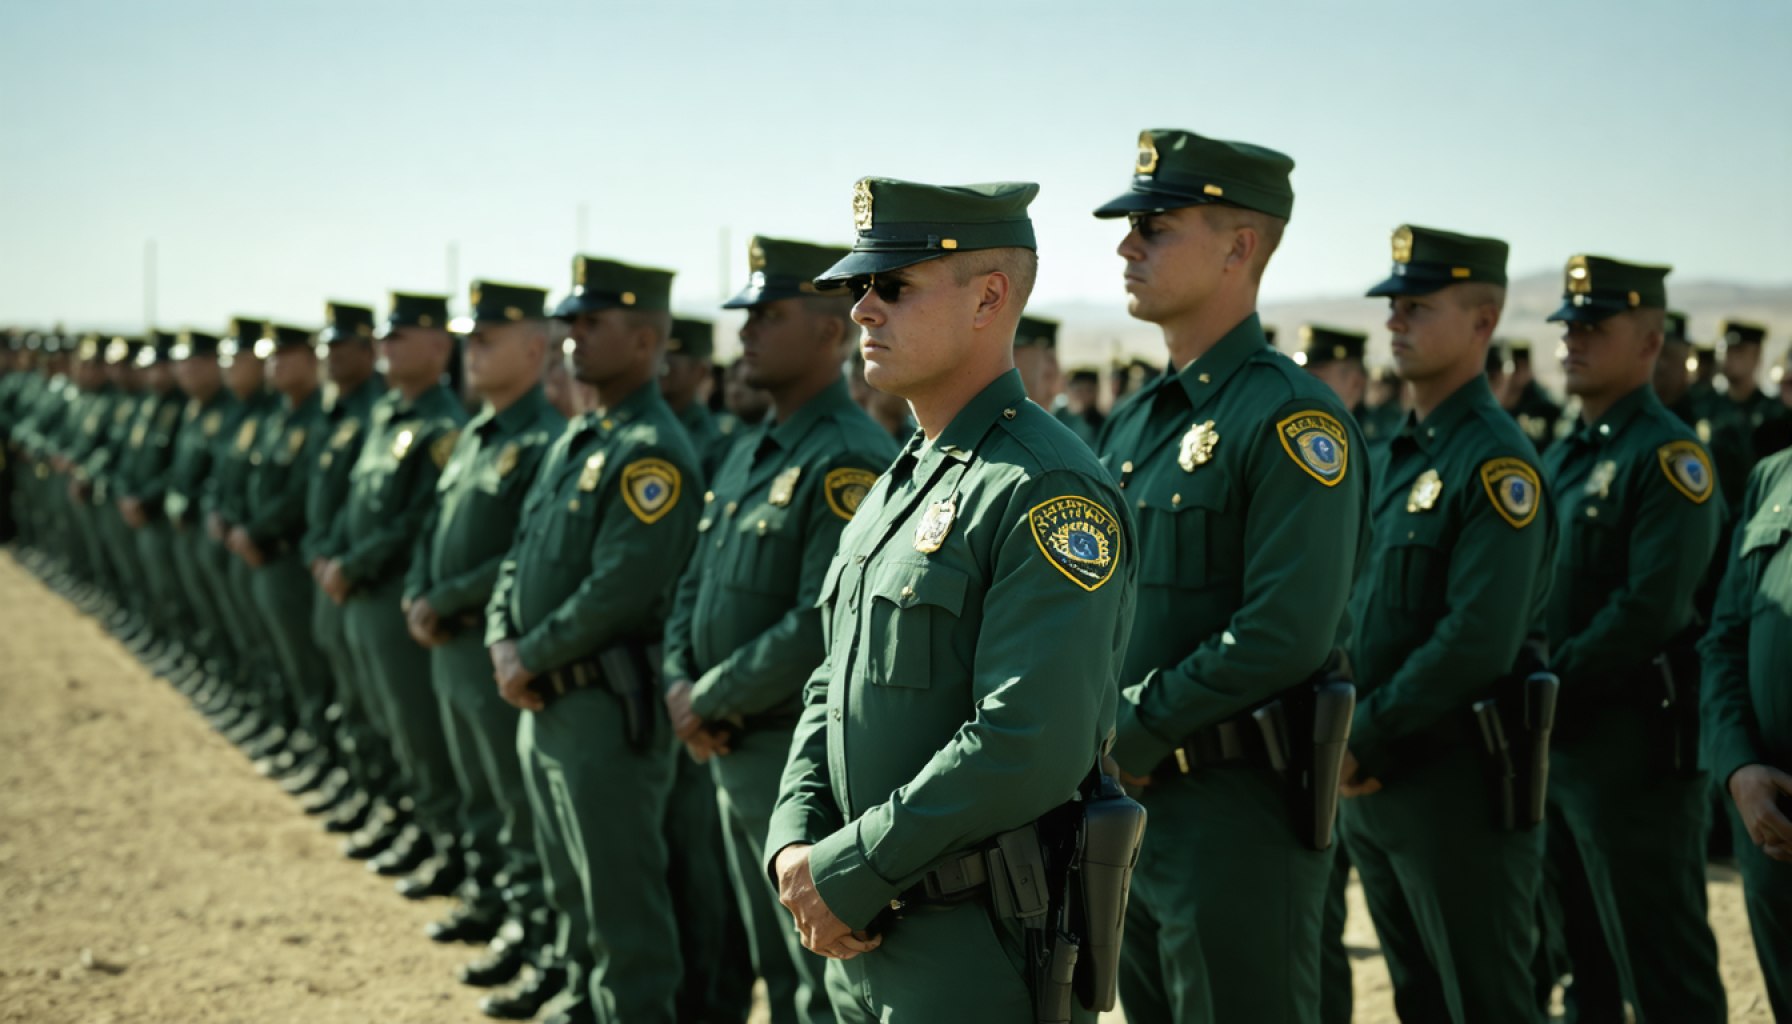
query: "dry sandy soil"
148, 875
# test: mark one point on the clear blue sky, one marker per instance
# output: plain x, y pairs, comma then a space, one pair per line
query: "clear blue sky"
280, 153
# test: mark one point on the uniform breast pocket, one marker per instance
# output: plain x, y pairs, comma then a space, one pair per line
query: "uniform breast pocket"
1415, 569
573, 531
766, 557
1185, 539
1767, 558
913, 607
1597, 545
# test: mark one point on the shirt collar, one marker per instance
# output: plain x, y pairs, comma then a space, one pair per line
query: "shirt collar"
1619, 415
1461, 404
635, 406
790, 433
959, 439
1203, 377
516, 415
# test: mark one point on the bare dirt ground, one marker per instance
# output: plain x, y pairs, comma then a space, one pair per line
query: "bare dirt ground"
148, 875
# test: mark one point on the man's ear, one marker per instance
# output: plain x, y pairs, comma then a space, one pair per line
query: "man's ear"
993, 298
1245, 241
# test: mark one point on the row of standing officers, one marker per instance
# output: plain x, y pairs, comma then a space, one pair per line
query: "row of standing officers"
623, 687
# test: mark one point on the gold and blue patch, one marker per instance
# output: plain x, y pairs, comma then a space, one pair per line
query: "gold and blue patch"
650, 488
1688, 468
846, 488
1317, 443
1079, 537
1514, 488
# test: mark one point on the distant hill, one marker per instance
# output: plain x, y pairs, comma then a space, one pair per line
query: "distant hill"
1094, 333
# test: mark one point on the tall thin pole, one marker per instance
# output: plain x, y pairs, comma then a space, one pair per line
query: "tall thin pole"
149, 283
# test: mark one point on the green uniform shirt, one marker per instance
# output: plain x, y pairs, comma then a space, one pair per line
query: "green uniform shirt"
86, 425
606, 528
1727, 442
326, 495
143, 467
1247, 477
1640, 514
1458, 573
280, 467
705, 436
1747, 697
195, 448
974, 620
227, 488
1537, 415
393, 483
478, 502
102, 461
1086, 426
745, 626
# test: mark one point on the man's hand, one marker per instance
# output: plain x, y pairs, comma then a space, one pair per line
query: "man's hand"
245, 548
685, 722
333, 582
132, 511
1758, 791
423, 623
821, 932
214, 527
706, 743
1348, 783
513, 679
78, 490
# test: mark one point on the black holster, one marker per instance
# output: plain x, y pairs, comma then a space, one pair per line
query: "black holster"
1515, 726
1675, 708
1307, 731
629, 671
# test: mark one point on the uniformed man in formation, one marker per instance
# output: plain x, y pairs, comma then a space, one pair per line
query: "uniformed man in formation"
841, 694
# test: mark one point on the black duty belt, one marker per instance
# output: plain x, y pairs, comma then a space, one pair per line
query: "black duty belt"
1236, 739
959, 879
580, 675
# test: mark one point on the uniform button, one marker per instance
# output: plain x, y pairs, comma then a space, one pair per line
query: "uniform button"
908, 592
708, 496
1007, 414
1410, 534
836, 714
1592, 513
1776, 508
764, 527
858, 560
1141, 502
730, 507
607, 424
1175, 499
1605, 430
1205, 379
1126, 467
573, 505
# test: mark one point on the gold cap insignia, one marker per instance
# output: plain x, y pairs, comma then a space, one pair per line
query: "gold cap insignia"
1580, 278
1402, 244
1147, 162
755, 257
861, 205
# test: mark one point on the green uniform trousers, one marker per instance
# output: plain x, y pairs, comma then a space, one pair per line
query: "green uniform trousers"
1572, 949
283, 588
93, 550
599, 810
264, 672
1337, 989
397, 673
121, 549
1453, 897
189, 544
711, 939
1641, 838
168, 609
746, 790
497, 830
367, 750
1227, 905
956, 962
1767, 893
240, 629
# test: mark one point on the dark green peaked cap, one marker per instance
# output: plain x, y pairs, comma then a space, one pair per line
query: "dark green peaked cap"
418, 309
497, 301
1428, 260
1597, 287
195, 343
245, 331
344, 321
1673, 328
158, 347
281, 337
694, 338
783, 269
1177, 168
1036, 331
1320, 345
599, 284
1735, 333
901, 223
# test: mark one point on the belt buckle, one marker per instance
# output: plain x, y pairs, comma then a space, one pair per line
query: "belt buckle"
1182, 763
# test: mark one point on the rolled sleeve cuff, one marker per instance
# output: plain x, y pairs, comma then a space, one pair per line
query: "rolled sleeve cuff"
1137, 748
845, 880
709, 694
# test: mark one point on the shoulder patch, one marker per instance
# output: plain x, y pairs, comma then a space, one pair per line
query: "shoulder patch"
295, 441
1079, 537
1317, 443
845, 488
650, 488
213, 420
1688, 468
245, 435
442, 447
1514, 488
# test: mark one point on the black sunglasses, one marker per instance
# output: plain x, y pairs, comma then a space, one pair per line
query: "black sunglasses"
888, 289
